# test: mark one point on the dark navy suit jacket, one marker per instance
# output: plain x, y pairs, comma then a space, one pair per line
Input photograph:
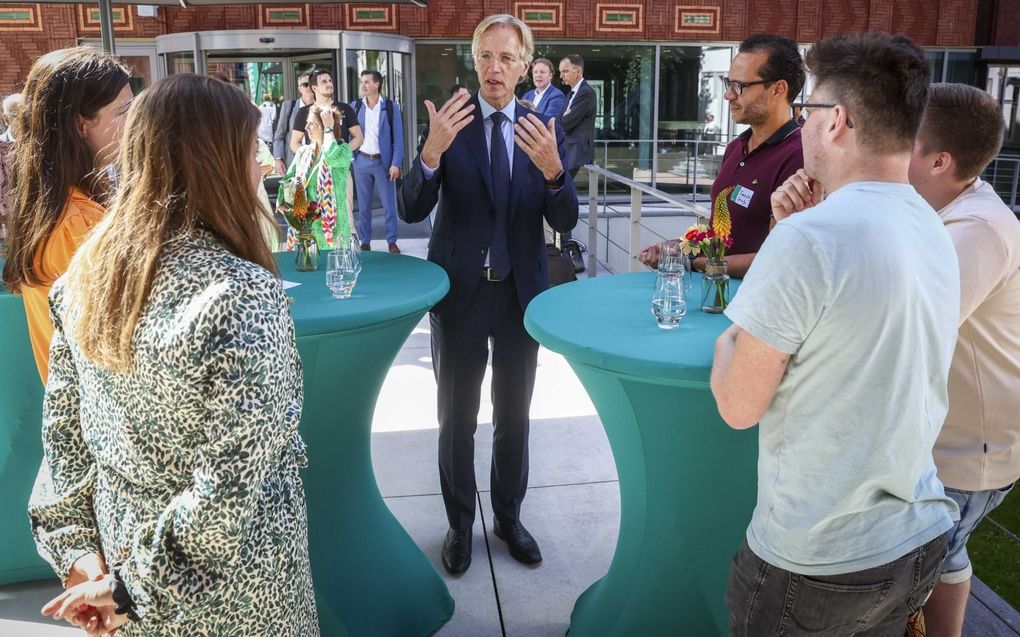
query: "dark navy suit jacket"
553, 103
464, 223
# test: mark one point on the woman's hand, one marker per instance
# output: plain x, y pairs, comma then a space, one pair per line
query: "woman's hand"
86, 568
327, 118
88, 605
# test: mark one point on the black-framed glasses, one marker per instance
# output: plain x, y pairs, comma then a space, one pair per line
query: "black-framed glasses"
737, 87
806, 106
304, 84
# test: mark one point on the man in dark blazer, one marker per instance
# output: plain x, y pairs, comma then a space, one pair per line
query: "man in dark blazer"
548, 99
578, 120
496, 170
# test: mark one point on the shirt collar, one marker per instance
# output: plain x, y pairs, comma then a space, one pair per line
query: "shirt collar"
778, 136
510, 110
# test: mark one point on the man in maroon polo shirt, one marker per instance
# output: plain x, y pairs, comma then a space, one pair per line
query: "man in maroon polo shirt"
765, 77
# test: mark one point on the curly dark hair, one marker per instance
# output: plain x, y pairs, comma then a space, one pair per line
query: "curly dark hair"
784, 61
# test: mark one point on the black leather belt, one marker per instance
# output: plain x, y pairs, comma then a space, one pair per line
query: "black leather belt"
371, 155
488, 274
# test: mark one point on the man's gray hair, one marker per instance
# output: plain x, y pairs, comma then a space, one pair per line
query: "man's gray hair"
503, 19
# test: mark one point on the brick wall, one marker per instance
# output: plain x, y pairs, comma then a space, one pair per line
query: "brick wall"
929, 22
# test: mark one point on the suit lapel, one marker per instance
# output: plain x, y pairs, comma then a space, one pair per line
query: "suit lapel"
520, 169
475, 132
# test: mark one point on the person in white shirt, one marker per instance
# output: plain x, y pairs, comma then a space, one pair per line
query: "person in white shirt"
268, 111
377, 163
977, 453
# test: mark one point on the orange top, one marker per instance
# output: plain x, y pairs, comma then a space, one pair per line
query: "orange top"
79, 215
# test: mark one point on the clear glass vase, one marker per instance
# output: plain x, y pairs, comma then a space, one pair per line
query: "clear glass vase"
306, 253
715, 288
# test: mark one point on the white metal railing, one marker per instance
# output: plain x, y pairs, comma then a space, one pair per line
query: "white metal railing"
638, 191
1004, 176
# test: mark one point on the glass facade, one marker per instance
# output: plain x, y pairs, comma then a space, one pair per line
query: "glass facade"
624, 80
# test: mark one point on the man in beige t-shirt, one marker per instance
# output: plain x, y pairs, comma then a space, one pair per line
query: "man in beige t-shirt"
978, 451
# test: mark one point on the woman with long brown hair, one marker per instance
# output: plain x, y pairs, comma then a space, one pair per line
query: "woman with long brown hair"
170, 424
69, 130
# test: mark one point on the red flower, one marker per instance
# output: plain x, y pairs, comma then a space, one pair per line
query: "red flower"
313, 206
691, 235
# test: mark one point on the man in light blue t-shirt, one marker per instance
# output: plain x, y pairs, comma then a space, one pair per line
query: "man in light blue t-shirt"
843, 334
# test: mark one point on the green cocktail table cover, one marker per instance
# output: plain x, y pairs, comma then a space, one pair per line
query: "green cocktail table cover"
21, 394
687, 481
371, 580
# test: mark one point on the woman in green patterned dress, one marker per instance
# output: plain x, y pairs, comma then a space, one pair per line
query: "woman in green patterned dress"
323, 166
170, 420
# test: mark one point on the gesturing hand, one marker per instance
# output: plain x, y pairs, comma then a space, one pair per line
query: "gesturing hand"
797, 193
444, 125
538, 141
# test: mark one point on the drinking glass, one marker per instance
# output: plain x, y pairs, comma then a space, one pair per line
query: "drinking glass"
672, 260
342, 270
669, 256
669, 301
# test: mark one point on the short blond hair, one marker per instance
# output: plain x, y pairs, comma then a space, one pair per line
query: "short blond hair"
506, 20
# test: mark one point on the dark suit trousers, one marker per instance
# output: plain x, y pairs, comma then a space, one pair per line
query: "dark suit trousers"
460, 350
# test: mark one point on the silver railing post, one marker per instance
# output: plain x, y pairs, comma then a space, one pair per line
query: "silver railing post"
635, 230
593, 221
694, 187
1016, 178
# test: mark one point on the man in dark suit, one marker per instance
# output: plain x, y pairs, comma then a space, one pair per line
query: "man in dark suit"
548, 99
578, 119
496, 170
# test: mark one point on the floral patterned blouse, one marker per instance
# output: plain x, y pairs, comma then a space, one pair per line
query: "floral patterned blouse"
184, 472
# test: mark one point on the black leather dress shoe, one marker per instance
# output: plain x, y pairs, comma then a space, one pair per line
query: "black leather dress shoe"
457, 551
522, 545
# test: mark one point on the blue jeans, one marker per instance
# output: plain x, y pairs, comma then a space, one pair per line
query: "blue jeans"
370, 174
766, 600
974, 506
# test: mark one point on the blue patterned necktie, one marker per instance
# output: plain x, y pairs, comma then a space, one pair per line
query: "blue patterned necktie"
499, 247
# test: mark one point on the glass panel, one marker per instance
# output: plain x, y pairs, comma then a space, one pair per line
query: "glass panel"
398, 78
306, 65
440, 66
693, 116
141, 73
623, 78
180, 63
230, 72
363, 60
962, 67
935, 60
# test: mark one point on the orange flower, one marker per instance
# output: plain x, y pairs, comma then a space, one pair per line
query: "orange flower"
721, 223
300, 202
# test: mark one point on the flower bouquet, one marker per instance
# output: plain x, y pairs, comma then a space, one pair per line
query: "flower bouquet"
302, 217
712, 241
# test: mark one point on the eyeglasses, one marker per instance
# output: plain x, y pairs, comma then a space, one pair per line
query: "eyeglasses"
805, 106
486, 58
737, 87
304, 85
